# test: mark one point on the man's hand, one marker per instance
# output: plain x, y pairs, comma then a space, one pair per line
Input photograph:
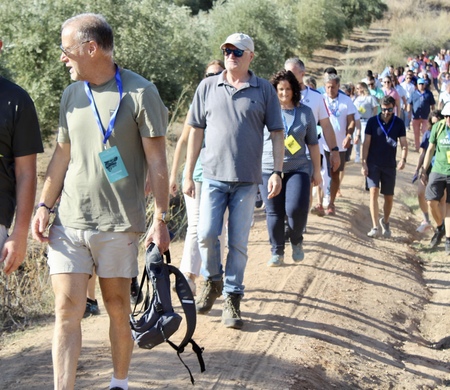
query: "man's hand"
274, 186
13, 252
423, 177
39, 224
364, 169
347, 142
335, 160
401, 164
159, 234
316, 179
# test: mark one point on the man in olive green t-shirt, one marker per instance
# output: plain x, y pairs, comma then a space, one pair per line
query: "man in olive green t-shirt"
439, 179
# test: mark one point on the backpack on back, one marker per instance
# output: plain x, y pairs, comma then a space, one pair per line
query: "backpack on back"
159, 321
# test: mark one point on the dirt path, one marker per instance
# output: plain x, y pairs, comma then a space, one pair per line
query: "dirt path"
357, 313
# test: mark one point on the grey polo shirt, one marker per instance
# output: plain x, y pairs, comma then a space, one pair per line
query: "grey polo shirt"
234, 122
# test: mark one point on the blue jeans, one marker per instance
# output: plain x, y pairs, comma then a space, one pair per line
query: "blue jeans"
293, 201
240, 200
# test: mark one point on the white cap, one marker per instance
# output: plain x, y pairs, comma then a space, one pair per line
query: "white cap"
446, 109
241, 41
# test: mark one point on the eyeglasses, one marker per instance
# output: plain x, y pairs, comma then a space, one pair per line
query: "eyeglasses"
237, 52
371, 84
386, 82
446, 116
384, 109
213, 74
70, 49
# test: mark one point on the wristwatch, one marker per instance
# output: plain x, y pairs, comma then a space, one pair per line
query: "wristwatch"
335, 149
279, 173
42, 204
164, 217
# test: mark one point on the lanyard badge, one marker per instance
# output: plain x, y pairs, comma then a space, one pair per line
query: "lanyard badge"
389, 140
110, 158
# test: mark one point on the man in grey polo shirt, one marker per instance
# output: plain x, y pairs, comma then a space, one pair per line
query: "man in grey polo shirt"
230, 111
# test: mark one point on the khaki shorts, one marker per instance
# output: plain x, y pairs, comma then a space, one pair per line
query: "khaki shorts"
112, 254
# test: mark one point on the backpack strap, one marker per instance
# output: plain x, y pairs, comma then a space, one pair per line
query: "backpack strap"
187, 302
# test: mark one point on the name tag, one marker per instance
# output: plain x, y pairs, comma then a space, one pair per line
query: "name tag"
113, 164
291, 144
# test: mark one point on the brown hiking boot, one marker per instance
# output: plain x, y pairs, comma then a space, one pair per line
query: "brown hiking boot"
211, 290
231, 314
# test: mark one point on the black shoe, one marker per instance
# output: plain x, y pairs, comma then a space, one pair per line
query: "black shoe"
134, 292
439, 233
116, 388
91, 308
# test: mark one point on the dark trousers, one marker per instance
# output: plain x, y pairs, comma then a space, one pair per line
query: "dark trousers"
293, 202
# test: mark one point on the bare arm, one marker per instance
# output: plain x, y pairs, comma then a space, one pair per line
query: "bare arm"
274, 183
155, 154
365, 153
15, 247
404, 145
193, 150
330, 138
314, 153
350, 129
426, 163
53, 184
178, 157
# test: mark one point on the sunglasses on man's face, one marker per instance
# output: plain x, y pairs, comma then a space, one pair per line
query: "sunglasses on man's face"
384, 109
237, 52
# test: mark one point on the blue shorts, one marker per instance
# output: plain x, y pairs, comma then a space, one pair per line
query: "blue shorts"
385, 176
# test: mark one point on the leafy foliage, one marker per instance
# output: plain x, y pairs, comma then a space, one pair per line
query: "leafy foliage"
164, 42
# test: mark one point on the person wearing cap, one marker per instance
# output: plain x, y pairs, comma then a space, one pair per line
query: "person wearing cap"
439, 178
382, 134
420, 103
20, 141
230, 112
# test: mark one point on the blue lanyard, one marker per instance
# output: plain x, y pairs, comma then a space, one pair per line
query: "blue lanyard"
335, 109
106, 134
286, 128
382, 127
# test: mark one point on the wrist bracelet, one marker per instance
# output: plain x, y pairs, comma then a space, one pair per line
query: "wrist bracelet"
42, 204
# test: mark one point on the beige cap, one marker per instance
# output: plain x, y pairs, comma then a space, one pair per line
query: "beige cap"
241, 41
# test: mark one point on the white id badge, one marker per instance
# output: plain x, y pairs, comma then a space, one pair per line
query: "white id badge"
113, 164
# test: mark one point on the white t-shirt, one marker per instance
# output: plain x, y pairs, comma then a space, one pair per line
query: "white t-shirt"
339, 108
314, 100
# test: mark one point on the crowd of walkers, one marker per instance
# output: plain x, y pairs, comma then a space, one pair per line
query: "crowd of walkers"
243, 135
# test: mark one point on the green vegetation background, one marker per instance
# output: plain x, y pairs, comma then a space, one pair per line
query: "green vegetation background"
169, 42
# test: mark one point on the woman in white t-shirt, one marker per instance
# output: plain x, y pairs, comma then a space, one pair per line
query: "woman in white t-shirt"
367, 106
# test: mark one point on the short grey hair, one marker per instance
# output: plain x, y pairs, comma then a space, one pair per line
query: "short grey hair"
327, 77
92, 27
296, 62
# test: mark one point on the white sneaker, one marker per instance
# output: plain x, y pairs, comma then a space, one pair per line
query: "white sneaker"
423, 227
373, 233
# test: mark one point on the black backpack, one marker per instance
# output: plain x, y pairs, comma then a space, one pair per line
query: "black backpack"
158, 321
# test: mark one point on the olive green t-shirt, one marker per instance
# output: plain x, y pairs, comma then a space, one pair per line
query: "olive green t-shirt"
89, 200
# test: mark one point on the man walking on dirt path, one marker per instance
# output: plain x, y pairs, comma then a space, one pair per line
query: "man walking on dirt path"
112, 129
230, 111
342, 117
383, 132
438, 180
20, 141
